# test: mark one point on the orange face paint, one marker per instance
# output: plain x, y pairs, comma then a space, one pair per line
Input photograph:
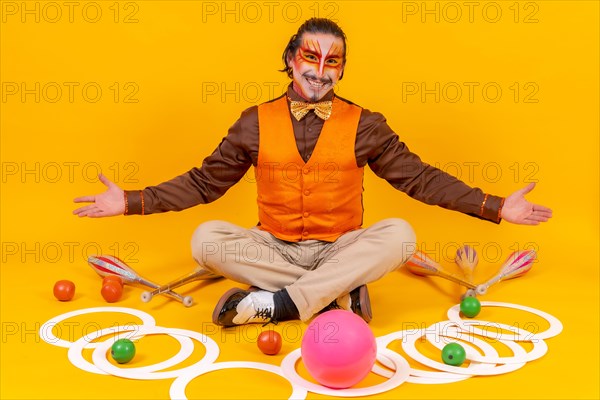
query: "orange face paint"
317, 65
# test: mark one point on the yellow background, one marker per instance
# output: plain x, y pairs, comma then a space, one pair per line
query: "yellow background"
172, 61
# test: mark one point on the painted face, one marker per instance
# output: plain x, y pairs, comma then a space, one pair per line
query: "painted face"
317, 65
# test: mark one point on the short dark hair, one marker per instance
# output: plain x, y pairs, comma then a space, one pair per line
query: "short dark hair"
313, 25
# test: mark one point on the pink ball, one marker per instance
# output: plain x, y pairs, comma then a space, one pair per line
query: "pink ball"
338, 349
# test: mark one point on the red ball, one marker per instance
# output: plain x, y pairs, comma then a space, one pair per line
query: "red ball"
111, 291
112, 278
269, 342
64, 290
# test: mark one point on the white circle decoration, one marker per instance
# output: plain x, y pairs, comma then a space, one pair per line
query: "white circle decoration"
392, 365
555, 328
76, 357
49, 337
178, 386
416, 375
383, 359
520, 356
212, 352
288, 365
474, 368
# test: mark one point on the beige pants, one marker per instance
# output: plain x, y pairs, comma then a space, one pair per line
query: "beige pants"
314, 272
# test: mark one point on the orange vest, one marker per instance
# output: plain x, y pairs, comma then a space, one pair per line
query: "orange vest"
320, 199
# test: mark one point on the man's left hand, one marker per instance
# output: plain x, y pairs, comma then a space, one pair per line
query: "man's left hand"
518, 210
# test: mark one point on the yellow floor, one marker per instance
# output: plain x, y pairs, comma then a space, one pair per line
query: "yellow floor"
33, 369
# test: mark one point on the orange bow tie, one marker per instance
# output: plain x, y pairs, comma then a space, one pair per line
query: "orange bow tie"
300, 109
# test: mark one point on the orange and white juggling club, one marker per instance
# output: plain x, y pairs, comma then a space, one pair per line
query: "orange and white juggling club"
108, 265
198, 274
517, 264
421, 264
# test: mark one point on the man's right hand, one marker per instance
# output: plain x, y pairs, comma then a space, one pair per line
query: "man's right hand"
107, 204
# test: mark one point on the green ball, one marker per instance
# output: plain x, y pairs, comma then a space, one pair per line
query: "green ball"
122, 351
454, 354
470, 307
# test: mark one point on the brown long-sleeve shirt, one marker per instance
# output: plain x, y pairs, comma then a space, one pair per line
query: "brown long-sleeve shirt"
376, 145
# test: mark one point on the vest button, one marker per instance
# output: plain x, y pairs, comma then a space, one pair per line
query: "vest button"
306, 192
305, 233
306, 214
306, 171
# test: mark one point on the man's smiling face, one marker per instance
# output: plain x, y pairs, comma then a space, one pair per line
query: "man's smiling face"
317, 65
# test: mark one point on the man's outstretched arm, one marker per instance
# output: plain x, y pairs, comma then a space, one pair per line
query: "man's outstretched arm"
219, 172
390, 159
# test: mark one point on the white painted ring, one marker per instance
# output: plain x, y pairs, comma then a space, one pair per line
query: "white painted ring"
99, 356
540, 348
388, 373
288, 365
178, 386
384, 341
49, 337
473, 368
555, 328
76, 357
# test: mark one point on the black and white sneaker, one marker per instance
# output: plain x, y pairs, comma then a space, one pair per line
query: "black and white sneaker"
357, 301
239, 307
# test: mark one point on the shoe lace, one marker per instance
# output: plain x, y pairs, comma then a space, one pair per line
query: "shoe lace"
266, 313
334, 306
271, 321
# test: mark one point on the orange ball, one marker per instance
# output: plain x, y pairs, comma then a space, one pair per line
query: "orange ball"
269, 342
64, 290
112, 278
111, 291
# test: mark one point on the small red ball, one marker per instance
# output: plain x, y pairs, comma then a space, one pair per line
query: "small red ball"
64, 290
111, 291
269, 342
112, 278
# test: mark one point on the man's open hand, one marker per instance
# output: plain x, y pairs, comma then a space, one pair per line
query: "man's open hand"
520, 211
106, 204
